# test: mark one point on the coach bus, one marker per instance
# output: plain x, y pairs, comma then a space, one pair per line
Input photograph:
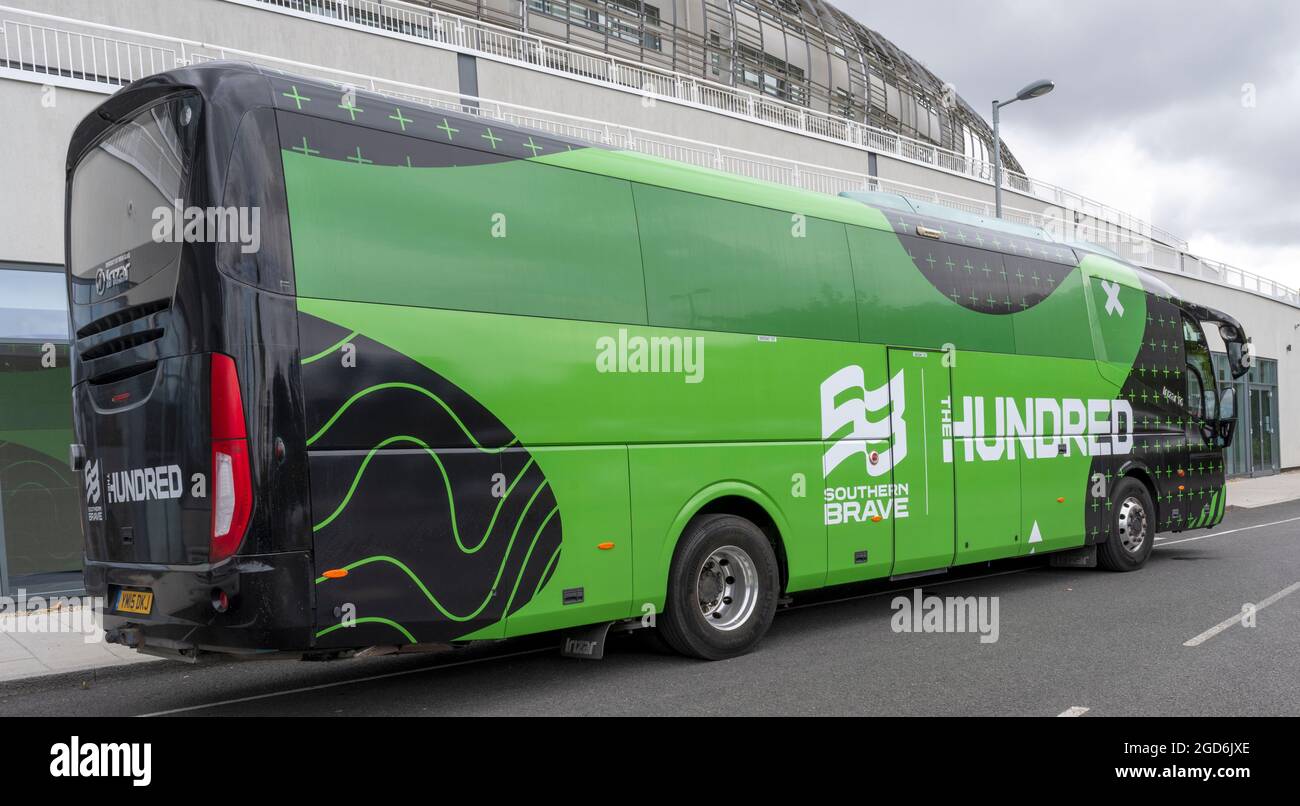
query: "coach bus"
356, 374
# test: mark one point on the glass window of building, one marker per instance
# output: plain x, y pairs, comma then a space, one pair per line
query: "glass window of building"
40, 528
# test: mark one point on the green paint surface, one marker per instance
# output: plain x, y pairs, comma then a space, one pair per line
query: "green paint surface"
450, 238
603, 250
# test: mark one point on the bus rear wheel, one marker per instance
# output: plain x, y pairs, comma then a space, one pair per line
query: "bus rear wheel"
722, 589
1133, 528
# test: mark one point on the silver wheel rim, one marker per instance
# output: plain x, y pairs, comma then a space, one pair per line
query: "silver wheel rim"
1132, 525
726, 588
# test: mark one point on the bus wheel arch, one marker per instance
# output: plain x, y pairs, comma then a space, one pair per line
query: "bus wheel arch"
733, 498
1142, 473
1131, 516
757, 514
724, 579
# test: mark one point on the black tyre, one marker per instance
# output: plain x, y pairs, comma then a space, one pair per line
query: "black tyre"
723, 587
1133, 528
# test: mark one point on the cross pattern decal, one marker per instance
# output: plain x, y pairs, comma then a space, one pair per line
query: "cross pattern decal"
1113, 305
408, 135
983, 280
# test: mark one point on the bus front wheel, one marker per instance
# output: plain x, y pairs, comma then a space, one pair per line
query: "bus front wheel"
1133, 528
722, 589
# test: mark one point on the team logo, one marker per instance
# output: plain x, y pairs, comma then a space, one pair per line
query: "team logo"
94, 512
92, 482
872, 416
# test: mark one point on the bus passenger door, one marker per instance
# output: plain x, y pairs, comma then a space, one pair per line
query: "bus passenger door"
857, 469
920, 394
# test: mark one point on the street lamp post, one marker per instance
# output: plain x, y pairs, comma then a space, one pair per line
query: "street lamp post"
1034, 89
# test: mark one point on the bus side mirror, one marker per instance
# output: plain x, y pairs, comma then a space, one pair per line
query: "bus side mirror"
1228, 404
1226, 426
1241, 351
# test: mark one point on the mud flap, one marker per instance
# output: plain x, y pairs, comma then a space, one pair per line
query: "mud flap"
586, 643
1085, 557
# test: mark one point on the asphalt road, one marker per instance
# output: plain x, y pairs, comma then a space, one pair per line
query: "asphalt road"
1113, 644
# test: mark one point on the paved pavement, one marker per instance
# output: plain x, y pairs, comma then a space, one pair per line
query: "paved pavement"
1263, 491
1081, 640
74, 644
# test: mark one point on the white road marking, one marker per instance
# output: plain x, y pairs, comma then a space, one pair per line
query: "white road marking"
1221, 534
1228, 622
1074, 710
337, 683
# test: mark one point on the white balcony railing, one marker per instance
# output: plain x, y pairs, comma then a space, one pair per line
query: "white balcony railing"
81, 56
42, 47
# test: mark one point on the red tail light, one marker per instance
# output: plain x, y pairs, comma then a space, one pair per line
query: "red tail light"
231, 482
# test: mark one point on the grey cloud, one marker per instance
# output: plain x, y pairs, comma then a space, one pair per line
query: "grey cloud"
1169, 74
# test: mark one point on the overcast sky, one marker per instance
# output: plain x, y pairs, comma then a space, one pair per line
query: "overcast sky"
1149, 114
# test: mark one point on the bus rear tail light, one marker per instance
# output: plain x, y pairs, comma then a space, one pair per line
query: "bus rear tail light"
232, 486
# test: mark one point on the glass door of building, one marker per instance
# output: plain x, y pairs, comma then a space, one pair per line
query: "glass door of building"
1256, 450
1263, 418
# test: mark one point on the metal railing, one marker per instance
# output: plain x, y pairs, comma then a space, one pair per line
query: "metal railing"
38, 50
80, 56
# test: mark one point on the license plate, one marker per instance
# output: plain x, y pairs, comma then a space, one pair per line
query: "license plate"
135, 602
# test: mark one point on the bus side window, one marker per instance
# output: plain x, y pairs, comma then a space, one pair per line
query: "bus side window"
1201, 397
1194, 391
715, 264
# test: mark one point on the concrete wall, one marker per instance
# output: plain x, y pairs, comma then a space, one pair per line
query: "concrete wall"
262, 31
34, 141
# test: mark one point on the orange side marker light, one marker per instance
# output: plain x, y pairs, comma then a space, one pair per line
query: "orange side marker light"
1060, 500
606, 546
335, 573
875, 519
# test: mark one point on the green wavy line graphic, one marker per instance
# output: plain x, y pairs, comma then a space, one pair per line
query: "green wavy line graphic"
527, 556
554, 556
425, 590
369, 620
446, 482
415, 388
331, 348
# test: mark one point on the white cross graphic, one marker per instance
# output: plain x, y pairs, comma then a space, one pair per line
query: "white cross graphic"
1112, 298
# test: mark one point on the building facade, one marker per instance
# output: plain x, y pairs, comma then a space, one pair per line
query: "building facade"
805, 52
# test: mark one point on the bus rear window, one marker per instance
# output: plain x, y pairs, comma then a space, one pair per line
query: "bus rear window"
140, 166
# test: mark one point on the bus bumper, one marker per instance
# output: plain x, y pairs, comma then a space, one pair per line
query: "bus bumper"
268, 605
